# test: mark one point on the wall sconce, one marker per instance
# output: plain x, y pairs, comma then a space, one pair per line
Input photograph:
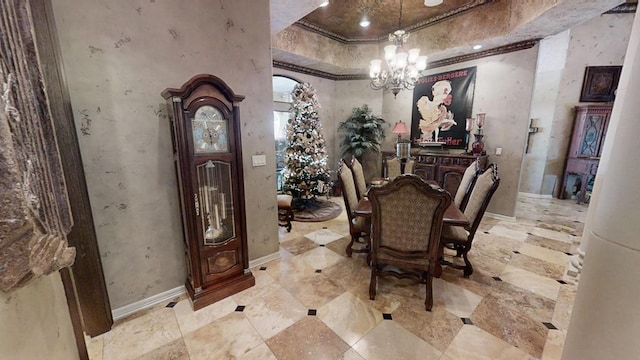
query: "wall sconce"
403, 147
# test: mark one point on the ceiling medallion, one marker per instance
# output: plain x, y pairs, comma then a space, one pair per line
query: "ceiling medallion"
403, 67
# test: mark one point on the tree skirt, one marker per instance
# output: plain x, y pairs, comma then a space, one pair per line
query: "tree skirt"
315, 210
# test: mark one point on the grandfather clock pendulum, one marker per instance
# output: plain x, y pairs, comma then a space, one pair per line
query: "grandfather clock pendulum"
205, 129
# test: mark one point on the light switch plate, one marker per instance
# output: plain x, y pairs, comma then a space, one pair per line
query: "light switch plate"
499, 151
259, 160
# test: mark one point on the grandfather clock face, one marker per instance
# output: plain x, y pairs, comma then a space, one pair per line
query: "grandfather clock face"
210, 131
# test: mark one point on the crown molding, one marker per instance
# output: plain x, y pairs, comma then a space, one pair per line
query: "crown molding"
317, 73
623, 9
522, 45
419, 26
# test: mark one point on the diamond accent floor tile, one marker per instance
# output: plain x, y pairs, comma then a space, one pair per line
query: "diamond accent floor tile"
323, 236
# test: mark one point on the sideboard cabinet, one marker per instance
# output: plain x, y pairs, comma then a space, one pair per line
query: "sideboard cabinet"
589, 131
446, 169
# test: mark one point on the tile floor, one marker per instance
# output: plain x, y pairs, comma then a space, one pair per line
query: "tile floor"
313, 302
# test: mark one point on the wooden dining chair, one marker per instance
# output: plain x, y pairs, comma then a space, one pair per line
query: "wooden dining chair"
407, 217
464, 189
359, 226
358, 176
460, 238
409, 166
392, 167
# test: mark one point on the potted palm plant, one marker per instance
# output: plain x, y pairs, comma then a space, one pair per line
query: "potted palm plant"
363, 131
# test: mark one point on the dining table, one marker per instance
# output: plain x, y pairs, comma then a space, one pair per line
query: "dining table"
452, 215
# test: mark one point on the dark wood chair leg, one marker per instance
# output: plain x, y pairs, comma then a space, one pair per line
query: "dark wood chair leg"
348, 250
468, 269
428, 301
372, 283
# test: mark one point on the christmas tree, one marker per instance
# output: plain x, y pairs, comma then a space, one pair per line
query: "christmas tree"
305, 175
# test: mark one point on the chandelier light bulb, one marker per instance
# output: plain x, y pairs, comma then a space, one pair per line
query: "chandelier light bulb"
421, 62
413, 55
401, 59
375, 67
389, 52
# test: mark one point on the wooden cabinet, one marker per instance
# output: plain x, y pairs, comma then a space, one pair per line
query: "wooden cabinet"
589, 131
446, 169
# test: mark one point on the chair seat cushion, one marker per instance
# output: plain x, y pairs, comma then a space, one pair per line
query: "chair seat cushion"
456, 233
284, 201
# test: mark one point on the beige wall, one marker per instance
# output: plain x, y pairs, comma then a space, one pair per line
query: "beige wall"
35, 323
118, 56
600, 41
551, 60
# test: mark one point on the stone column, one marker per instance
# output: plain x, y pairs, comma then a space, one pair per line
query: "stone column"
605, 322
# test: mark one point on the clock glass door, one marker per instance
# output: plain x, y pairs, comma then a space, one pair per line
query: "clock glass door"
216, 202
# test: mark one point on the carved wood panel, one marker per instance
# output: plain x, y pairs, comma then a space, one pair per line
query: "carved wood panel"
35, 215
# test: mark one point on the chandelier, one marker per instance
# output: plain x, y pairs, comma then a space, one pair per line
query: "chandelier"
403, 67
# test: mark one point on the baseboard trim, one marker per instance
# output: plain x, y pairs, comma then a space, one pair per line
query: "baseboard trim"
264, 259
143, 304
535, 196
501, 217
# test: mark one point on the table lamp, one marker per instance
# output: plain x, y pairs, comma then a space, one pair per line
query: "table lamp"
403, 147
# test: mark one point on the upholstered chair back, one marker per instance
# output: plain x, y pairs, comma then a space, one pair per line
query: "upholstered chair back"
407, 216
392, 168
465, 185
348, 189
409, 166
482, 190
358, 175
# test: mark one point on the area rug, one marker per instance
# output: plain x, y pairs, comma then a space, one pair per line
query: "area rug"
315, 210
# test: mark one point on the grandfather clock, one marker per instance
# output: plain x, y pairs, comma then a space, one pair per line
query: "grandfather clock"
205, 129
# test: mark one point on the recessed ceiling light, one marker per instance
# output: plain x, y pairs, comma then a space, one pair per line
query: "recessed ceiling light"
364, 21
432, 2
477, 47
324, 4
